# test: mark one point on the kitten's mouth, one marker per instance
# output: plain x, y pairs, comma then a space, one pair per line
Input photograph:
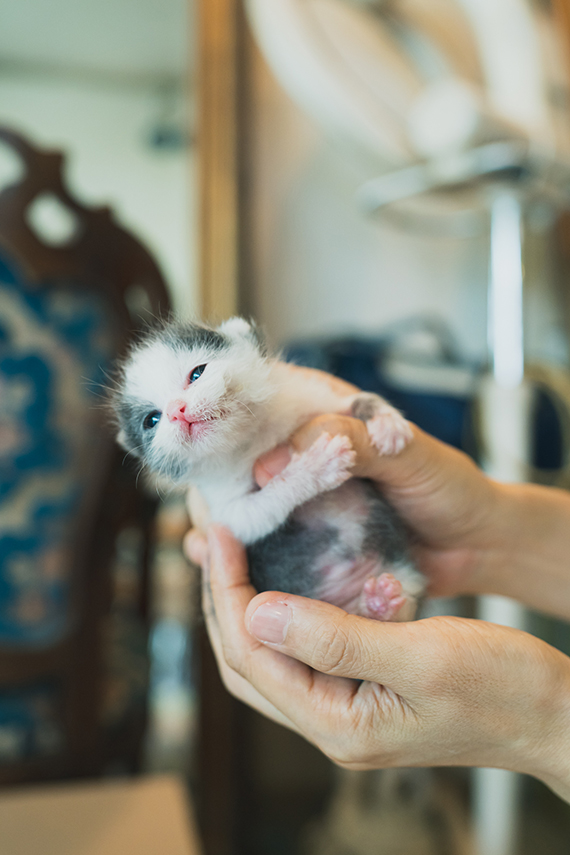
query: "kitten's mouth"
192, 425
194, 429
201, 427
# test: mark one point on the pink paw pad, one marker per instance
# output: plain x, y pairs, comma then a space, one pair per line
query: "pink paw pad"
383, 597
389, 431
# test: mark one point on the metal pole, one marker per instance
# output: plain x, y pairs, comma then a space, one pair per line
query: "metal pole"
505, 402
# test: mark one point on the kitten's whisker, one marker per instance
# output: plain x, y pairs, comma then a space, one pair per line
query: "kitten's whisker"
132, 451
143, 466
246, 407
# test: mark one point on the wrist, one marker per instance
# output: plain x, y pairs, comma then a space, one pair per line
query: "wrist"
549, 746
527, 553
492, 546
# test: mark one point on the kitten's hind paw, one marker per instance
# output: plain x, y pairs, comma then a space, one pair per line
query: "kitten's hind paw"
382, 597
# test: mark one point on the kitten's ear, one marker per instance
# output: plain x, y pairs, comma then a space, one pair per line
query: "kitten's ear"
240, 328
236, 327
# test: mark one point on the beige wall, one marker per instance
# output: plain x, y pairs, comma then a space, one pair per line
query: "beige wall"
320, 266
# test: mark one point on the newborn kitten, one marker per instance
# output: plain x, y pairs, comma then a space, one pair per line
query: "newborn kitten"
200, 405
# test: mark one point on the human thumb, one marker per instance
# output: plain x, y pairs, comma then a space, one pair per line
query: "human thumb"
330, 640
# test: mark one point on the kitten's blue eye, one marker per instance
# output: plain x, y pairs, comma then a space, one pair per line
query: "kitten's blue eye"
152, 419
197, 372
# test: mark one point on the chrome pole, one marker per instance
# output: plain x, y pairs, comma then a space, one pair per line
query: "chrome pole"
505, 409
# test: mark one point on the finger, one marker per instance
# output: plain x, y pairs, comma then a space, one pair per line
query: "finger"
423, 454
197, 508
333, 642
271, 464
234, 682
287, 684
195, 547
425, 480
231, 591
353, 428
237, 685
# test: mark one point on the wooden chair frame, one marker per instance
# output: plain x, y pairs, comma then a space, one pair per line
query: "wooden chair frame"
110, 262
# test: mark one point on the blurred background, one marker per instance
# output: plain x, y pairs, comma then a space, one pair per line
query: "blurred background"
384, 186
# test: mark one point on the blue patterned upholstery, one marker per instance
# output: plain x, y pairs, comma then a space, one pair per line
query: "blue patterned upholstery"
55, 344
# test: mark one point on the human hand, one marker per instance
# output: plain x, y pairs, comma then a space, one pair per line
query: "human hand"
471, 535
454, 512
441, 691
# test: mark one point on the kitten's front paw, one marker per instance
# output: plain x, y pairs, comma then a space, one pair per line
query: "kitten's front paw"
388, 430
328, 462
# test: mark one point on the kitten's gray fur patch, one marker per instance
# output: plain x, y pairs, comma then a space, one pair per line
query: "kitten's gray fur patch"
385, 533
184, 335
282, 560
131, 414
188, 335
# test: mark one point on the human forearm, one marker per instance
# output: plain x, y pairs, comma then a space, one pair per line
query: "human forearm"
529, 557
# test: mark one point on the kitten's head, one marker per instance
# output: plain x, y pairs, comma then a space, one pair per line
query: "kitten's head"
188, 395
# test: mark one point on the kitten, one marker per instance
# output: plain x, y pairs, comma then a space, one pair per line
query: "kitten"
199, 405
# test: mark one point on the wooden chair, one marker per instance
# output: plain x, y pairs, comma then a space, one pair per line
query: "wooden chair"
69, 510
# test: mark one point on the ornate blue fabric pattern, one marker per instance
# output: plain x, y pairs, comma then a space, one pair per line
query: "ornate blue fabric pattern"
55, 344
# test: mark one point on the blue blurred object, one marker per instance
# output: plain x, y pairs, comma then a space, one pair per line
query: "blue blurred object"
435, 388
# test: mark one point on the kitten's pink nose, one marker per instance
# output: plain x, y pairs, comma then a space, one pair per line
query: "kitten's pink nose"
176, 412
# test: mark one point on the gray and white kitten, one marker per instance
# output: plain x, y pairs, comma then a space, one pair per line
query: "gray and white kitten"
199, 405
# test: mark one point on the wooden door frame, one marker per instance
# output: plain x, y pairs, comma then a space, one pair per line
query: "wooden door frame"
222, 133
223, 767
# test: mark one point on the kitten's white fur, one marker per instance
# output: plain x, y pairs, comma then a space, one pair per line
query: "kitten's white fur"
254, 403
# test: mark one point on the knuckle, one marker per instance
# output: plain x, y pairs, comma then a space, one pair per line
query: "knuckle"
231, 682
334, 652
347, 753
352, 743
232, 658
353, 764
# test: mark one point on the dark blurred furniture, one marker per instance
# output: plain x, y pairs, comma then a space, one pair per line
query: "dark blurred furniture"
75, 533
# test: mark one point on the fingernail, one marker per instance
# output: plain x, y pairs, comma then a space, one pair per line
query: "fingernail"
269, 622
